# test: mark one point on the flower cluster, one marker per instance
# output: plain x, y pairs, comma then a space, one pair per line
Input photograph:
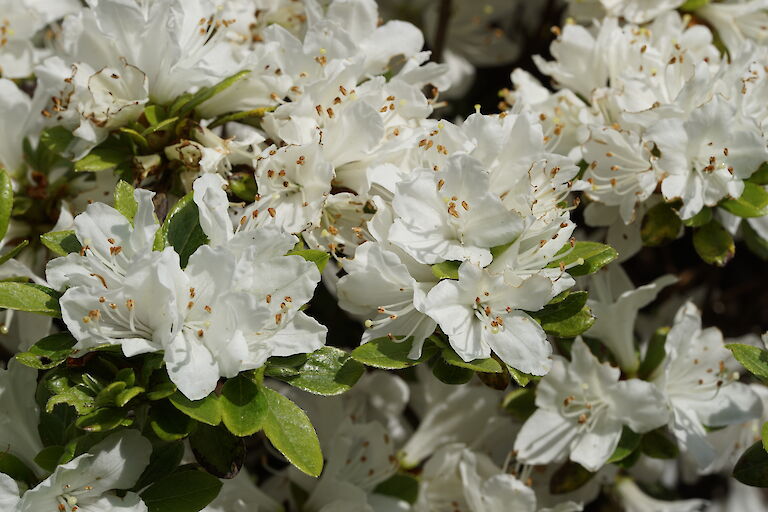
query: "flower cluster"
254, 256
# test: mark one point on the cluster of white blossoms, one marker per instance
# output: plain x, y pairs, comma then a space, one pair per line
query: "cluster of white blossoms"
187, 187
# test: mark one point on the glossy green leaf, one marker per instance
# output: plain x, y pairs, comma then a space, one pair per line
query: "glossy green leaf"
752, 467
49, 352
290, 431
572, 326
658, 445
164, 460
760, 176
207, 93
654, 354
752, 203
327, 371
522, 379
243, 185
206, 410
402, 486
101, 159
628, 443
701, 218
520, 403
243, 406
33, 298
446, 270
13, 467
181, 230
48, 458
569, 477
584, 258
6, 201
692, 5
107, 396
61, 243
714, 244
562, 307
217, 451
128, 394
319, 258
764, 435
183, 491
14, 251
661, 224
101, 420
125, 203
489, 365
390, 354
450, 374
754, 359
168, 423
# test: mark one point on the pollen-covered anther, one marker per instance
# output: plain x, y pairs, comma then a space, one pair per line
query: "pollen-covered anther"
130, 304
271, 212
452, 210
278, 318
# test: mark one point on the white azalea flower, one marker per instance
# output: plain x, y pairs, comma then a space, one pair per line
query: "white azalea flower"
615, 303
380, 287
481, 312
699, 388
240, 494
15, 109
451, 214
737, 21
582, 408
84, 483
19, 414
635, 500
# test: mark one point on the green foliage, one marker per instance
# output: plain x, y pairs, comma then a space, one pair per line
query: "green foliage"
13, 467
403, 486
654, 355
661, 224
754, 359
752, 466
446, 270
569, 477
243, 185
207, 410
319, 258
189, 104
186, 490
290, 431
125, 203
584, 258
243, 406
101, 420
327, 371
217, 451
6, 201
390, 354
14, 251
489, 365
102, 158
752, 203
33, 298
520, 403
164, 460
49, 352
181, 230
754, 241
628, 443
658, 445
714, 244
61, 243
566, 316
450, 374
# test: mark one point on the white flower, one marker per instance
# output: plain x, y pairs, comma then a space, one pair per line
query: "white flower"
481, 312
380, 287
239, 494
582, 407
615, 303
15, 108
83, 484
699, 388
737, 21
635, 500
706, 157
19, 414
451, 214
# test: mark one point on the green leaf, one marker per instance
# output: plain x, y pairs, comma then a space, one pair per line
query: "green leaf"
752, 203
390, 354
446, 270
450, 374
755, 242
217, 451
206, 410
327, 371
752, 466
181, 230
714, 244
569, 477
209, 92
754, 359
161, 390
76, 396
56, 139
125, 203
692, 5
319, 258
243, 185
33, 298
520, 403
107, 396
760, 177
164, 460
48, 457
701, 218
588, 257
6, 201
654, 355
168, 423
125, 396
290, 431
101, 159
489, 365
162, 125
497, 381
562, 307
658, 445
764, 435
243, 406
248, 117
101, 420
661, 224
183, 491
628, 443
154, 114
521, 378
14, 252
61, 243
136, 137
402, 486
13, 467
572, 326
49, 352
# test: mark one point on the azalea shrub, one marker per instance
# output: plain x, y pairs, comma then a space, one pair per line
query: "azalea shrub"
282, 256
